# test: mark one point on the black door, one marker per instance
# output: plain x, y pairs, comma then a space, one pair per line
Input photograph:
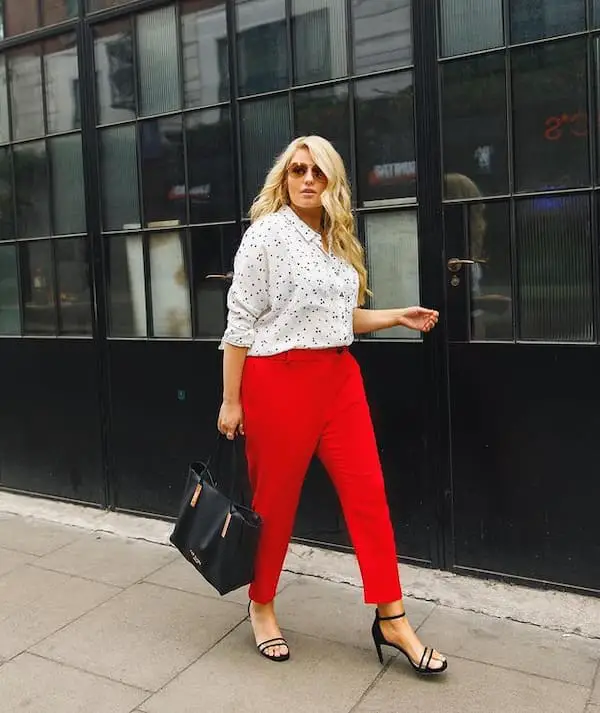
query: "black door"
520, 272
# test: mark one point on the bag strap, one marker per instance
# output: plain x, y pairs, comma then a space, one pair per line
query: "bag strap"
216, 461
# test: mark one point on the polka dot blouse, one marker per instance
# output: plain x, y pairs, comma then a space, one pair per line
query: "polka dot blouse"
287, 291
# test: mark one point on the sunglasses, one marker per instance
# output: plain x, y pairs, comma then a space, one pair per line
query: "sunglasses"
299, 170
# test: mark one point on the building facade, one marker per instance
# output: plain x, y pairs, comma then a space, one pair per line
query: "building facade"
133, 137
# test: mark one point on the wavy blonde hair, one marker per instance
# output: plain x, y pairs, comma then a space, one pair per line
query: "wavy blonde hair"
338, 221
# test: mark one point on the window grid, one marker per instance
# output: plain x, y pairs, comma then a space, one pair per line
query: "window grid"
514, 197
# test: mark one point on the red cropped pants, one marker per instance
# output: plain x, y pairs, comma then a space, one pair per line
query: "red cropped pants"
297, 404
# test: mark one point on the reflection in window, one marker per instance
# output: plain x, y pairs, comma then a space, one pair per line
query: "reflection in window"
93, 5
10, 322
54, 11
20, 16
32, 190
171, 307
209, 295
62, 83
325, 112
319, 32
37, 286
550, 116
25, 72
162, 170
158, 64
7, 228
392, 250
474, 121
261, 46
534, 19
265, 133
115, 80
382, 34
124, 258
210, 166
72, 268
480, 303
471, 25
4, 126
554, 269
118, 164
68, 199
205, 52
385, 146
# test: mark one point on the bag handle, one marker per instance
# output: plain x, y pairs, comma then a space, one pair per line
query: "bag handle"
215, 460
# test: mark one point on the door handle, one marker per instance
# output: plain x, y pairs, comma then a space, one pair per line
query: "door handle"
226, 277
455, 263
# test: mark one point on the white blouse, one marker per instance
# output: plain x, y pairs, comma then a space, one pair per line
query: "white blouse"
287, 292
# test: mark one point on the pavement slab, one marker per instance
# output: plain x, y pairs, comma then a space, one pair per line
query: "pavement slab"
109, 559
35, 603
522, 647
35, 685
144, 636
35, 537
470, 687
320, 677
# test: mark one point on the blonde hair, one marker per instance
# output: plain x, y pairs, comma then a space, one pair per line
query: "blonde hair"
338, 221
460, 186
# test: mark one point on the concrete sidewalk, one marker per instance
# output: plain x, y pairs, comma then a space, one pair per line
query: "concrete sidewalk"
98, 623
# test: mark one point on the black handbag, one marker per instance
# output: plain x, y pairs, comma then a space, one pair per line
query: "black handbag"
216, 535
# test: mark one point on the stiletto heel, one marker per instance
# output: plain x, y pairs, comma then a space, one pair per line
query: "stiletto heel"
423, 668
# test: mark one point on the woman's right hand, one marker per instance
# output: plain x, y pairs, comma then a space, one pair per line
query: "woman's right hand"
231, 420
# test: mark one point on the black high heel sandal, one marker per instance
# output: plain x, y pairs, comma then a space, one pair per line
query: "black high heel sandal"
424, 668
264, 645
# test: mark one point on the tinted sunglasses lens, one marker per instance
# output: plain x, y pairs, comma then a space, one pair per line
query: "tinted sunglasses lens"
298, 170
318, 174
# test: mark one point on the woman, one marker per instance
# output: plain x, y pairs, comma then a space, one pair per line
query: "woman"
293, 389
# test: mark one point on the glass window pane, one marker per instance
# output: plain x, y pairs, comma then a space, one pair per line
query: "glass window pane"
319, 35
392, 250
550, 116
115, 81
382, 34
73, 273
265, 134
93, 5
205, 52
474, 122
261, 46
118, 159
25, 73
32, 190
124, 258
10, 322
163, 176
595, 13
554, 269
479, 295
325, 112
37, 285
54, 11
210, 295
68, 197
534, 19
210, 165
170, 293
4, 125
62, 83
20, 16
385, 146
7, 216
158, 64
471, 25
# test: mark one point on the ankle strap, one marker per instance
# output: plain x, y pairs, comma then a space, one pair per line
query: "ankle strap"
389, 618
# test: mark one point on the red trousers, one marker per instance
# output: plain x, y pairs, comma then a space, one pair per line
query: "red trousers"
297, 404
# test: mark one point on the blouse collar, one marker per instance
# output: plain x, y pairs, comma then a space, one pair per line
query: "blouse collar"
305, 230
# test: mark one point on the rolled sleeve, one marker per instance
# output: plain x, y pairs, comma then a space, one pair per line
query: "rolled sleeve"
248, 296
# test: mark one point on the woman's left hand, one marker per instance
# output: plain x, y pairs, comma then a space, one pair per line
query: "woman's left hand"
420, 319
